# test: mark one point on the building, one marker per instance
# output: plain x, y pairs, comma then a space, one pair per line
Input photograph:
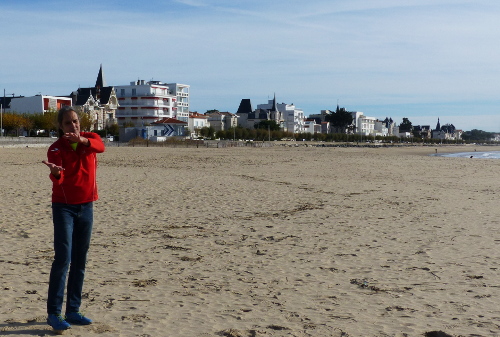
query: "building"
196, 122
311, 126
244, 111
272, 111
100, 102
322, 116
325, 127
158, 130
181, 108
390, 125
293, 118
36, 104
447, 132
363, 125
5, 102
380, 128
221, 121
248, 118
422, 131
321, 119
142, 103
404, 134
287, 116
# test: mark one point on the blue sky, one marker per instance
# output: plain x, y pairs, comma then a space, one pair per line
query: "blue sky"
420, 59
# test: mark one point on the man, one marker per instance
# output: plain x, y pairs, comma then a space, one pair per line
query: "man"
72, 161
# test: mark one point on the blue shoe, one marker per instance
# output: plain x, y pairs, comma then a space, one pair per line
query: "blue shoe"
77, 318
57, 322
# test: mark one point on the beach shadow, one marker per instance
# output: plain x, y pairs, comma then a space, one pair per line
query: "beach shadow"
30, 328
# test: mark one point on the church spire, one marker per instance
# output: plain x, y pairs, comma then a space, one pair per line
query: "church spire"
100, 82
438, 126
274, 106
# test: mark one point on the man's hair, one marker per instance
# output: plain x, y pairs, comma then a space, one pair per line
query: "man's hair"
60, 116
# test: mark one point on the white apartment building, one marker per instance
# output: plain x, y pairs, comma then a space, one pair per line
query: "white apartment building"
181, 92
142, 103
37, 104
293, 118
364, 125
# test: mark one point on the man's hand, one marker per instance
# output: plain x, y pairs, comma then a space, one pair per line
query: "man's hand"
54, 169
76, 138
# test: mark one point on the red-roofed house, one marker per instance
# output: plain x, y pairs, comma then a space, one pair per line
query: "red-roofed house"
196, 121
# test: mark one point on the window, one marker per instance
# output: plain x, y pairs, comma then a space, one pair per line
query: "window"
134, 92
122, 92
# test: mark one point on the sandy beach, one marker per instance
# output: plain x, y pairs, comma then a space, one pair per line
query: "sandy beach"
281, 241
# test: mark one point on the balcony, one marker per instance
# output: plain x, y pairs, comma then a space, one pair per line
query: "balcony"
139, 103
143, 112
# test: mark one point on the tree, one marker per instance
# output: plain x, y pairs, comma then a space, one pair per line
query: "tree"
14, 122
207, 132
28, 124
340, 120
113, 129
405, 126
46, 121
476, 134
220, 134
268, 125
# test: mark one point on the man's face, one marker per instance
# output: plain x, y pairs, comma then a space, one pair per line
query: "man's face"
70, 123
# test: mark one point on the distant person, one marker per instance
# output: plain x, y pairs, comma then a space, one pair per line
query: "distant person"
72, 161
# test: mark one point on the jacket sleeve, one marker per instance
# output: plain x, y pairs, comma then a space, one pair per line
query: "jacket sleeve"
96, 144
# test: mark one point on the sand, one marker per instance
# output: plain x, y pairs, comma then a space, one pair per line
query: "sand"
278, 241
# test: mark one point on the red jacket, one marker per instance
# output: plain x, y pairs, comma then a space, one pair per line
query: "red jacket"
77, 184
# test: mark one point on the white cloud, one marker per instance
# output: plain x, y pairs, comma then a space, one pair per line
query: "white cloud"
194, 3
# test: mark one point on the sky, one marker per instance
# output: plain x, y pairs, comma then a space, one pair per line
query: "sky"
419, 59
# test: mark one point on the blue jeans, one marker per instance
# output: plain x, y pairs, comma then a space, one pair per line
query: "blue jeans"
72, 232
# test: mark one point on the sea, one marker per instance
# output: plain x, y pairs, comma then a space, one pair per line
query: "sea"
473, 155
